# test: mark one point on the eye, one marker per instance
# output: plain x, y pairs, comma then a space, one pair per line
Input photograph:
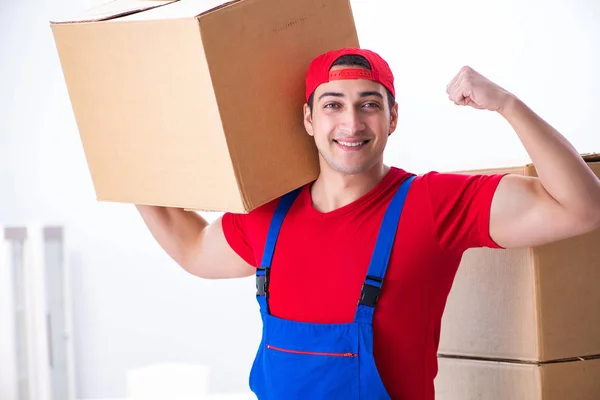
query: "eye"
332, 105
372, 104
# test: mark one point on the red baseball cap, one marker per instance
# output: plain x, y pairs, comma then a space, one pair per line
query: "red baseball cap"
319, 70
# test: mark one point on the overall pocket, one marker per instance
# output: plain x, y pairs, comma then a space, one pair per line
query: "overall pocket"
312, 353
301, 374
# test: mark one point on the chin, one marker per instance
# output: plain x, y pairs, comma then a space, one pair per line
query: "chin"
349, 169
345, 166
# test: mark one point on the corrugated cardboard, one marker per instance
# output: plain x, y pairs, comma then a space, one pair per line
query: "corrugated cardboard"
197, 103
460, 379
535, 304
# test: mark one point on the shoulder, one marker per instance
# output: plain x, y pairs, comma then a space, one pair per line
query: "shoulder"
395, 177
398, 175
247, 232
454, 193
264, 213
450, 183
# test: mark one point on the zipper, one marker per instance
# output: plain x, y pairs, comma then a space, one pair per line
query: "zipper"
312, 353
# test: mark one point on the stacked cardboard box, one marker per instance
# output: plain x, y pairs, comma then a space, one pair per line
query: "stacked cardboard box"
197, 103
524, 323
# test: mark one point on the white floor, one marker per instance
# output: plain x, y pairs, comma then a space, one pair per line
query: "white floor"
226, 396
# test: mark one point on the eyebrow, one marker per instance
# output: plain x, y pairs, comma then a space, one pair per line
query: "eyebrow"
371, 93
361, 94
332, 94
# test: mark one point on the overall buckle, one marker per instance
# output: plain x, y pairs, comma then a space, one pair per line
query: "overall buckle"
262, 282
370, 293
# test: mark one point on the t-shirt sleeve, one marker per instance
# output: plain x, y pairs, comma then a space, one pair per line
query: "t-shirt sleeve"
236, 234
460, 206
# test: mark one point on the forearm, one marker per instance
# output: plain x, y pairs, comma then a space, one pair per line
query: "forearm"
176, 231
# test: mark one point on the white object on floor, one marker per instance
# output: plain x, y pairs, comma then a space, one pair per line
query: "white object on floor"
168, 381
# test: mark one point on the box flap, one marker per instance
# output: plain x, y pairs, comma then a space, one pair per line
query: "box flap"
587, 157
473, 379
591, 157
182, 9
527, 169
467, 379
571, 380
113, 9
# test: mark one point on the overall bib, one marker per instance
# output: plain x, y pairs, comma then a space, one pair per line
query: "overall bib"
308, 361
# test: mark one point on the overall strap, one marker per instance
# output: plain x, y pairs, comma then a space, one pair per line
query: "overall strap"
263, 272
371, 288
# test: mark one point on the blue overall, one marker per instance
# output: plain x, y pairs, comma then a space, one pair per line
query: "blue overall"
308, 361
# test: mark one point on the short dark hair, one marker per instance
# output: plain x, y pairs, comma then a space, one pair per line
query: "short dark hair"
358, 61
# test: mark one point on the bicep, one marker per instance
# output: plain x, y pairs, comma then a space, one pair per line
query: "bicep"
215, 259
524, 214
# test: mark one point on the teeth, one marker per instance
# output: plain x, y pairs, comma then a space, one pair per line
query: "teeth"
352, 144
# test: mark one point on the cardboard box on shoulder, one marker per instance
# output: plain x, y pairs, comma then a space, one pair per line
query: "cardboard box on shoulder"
531, 304
462, 379
197, 103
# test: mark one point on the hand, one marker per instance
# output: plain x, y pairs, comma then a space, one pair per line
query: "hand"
470, 88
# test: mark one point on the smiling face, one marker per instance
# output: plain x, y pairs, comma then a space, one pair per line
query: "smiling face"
350, 122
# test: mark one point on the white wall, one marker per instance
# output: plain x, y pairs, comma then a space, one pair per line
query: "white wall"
543, 51
133, 305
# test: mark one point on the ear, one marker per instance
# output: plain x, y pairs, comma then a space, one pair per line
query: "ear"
393, 119
308, 120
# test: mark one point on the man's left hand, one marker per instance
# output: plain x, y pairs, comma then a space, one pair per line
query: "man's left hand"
470, 88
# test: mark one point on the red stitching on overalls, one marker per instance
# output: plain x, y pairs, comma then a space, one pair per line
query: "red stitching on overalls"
312, 353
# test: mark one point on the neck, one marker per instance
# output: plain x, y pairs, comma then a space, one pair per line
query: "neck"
333, 190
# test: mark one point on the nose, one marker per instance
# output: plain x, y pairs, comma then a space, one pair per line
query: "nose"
351, 122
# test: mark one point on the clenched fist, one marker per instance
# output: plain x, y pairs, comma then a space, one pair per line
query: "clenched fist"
470, 88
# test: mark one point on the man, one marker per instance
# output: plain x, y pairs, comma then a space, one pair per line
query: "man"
354, 269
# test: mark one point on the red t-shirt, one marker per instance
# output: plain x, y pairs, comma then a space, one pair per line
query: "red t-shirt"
321, 260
